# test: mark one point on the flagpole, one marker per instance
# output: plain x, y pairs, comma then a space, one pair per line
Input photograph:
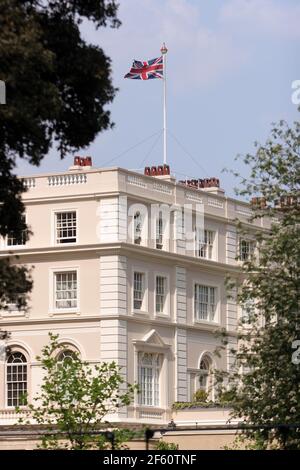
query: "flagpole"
164, 51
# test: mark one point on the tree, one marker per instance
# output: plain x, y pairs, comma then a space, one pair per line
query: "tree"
57, 87
75, 398
266, 375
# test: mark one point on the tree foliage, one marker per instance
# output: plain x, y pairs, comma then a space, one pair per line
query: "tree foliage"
265, 379
57, 87
74, 400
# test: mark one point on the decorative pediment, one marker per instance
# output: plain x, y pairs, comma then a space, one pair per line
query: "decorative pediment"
152, 341
152, 337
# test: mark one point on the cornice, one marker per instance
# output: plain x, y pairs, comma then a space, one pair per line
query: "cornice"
182, 260
79, 319
122, 248
29, 321
70, 197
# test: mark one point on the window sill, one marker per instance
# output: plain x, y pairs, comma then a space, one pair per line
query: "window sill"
245, 326
147, 407
151, 412
66, 244
14, 247
162, 315
143, 243
140, 312
206, 322
205, 258
140, 407
12, 314
12, 408
69, 311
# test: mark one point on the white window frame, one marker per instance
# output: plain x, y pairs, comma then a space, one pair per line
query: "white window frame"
206, 246
159, 237
14, 247
166, 312
54, 226
68, 351
204, 373
251, 248
144, 308
208, 374
16, 350
156, 369
134, 228
52, 290
244, 316
12, 311
216, 319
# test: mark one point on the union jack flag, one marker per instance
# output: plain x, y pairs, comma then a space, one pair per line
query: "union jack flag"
146, 70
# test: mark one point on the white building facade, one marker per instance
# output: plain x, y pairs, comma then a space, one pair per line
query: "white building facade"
122, 271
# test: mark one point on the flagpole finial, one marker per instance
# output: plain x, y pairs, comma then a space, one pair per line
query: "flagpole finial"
164, 49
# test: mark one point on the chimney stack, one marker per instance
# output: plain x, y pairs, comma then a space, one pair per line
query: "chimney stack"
81, 163
211, 185
160, 171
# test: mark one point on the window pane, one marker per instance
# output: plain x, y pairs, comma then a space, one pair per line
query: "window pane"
204, 302
137, 227
67, 356
16, 379
246, 249
204, 240
66, 290
66, 227
14, 240
138, 290
160, 293
248, 309
149, 369
159, 231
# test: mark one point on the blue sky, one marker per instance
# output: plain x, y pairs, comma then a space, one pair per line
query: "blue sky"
230, 67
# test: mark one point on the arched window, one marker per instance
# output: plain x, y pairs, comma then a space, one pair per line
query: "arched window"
16, 379
204, 377
204, 374
137, 228
67, 356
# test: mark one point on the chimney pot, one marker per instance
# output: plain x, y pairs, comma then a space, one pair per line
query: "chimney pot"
166, 170
88, 161
76, 160
215, 182
259, 202
153, 171
160, 170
